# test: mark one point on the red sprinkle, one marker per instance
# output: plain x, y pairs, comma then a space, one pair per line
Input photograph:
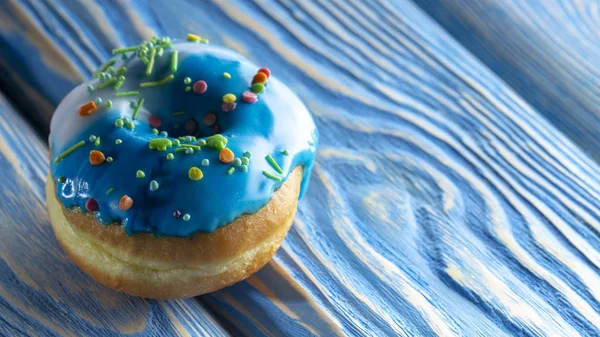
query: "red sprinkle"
154, 121
209, 119
191, 125
266, 71
200, 87
91, 205
228, 107
249, 97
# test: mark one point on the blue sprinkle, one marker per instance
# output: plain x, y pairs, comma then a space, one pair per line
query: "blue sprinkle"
153, 185
92, 138
205, 162
90, 88
132, 104
189, 150
244, 168
98, 100
248, 154
237, 162
164, 133
186, 217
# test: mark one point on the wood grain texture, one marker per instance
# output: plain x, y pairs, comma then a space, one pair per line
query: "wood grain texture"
442, 203
42, 293
547, 51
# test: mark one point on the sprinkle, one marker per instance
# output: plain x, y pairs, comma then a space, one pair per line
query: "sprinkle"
228, 107
160, 144
119, 83
257, 88
271, 175
249, 97
285, 152
231, 170
61, 180
140, 174
244, 168
195, 173
109, 159
181, 149
98, 100
209, 119
237, 162
245, 160
266, 71
96, 157
87, 109
105, 66
118, 141
127, 93
273, 163
188, 89
121, 71
124, 50
150, 65
226, 156
174, 54
176, 142
110, 190
108, 82
205, 41
195, 147
259, 78
97, 142
170, 156
205, 162
200, 87
226, 75
154, 121
164, 133
187, 80
125, 203
159, 51
177, 113
189, 151
91, 205
248, 154
193, 37
177, 213
229, 98
154, 131
89, 88
202, 142
108, 103
92, 138
68, 151
130, 125
186, 217
119, 123
191, 125
216, 142
162, 81
140, 102
132, 104
153, 185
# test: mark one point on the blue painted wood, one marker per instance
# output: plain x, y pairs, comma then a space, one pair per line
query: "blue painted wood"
547, 51
41, 292
442, 203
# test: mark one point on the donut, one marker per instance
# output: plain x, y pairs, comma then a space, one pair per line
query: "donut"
177, 170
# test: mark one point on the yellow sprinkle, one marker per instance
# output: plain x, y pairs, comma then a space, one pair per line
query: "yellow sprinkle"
193, 37
195, 173
226, 75
229, 98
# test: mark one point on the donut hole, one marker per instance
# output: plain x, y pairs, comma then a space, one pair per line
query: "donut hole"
204, 125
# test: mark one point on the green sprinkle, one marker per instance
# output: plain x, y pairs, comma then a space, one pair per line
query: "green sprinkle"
188, 89
216, 142
155, 131
130, 125
160, 144
248, 154
162, 81
140, 174
244, 168
204, 41
150, 65
109, 159
110, 70
176, 142
195, 147
186, 217
187, 80
120, 82
110, 190
105, 66
61, 180
170, 156
245, 160
226, 75
181, 149
231, 170
271, 176
124, 50
205, 162
174, 54
140, 102
127, 93
119, 123
97, 142
70, 150
107, 83
121, 71
273, 164
202, 142
177, 113
118, 141
153, 185
159, 51
108, 103
257, 88
285, 152
92, 138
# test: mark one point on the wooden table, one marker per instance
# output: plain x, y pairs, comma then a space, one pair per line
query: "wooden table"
455, 191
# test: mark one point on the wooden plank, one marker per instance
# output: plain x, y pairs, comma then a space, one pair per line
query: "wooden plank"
42, 293
441, 203
547, 51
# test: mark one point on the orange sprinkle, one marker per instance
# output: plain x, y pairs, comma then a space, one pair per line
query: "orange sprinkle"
226, 156
125, 203
259, 78
87, 109
209, 119
96, 157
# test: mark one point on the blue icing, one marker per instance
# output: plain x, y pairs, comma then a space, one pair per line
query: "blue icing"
278, 121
